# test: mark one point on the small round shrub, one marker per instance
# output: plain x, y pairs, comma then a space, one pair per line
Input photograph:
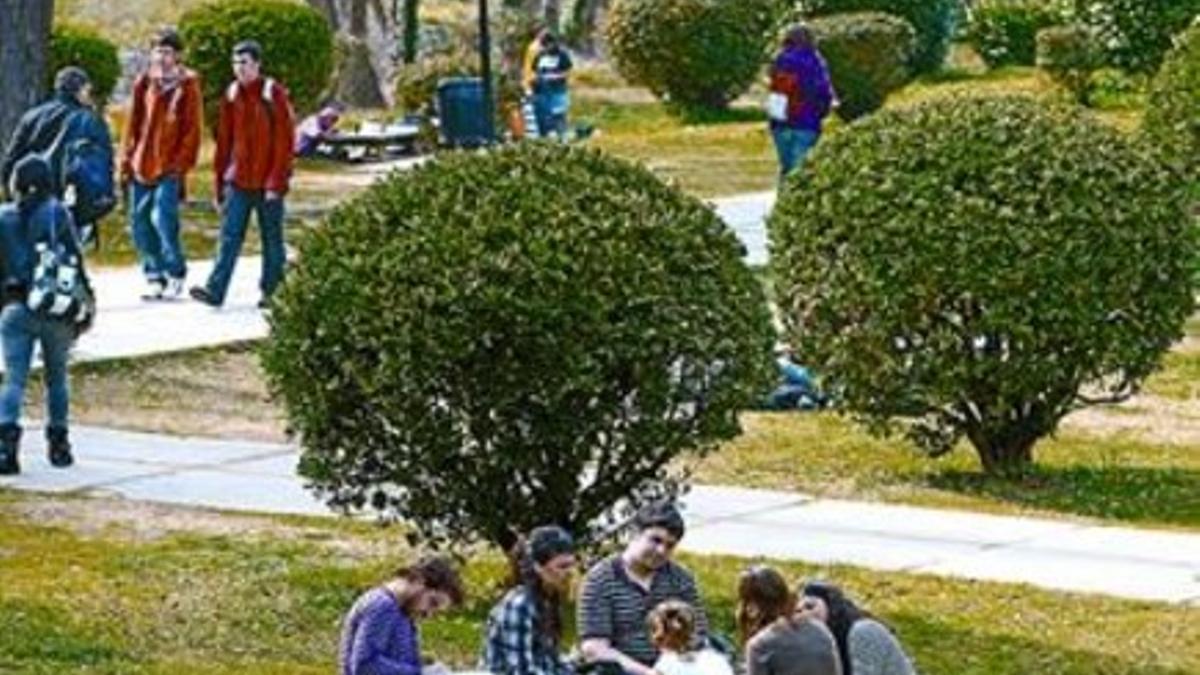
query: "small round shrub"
527, 336
296, 40
1173, 111
416, 83
979, 268
692, 53
1069, 55
1004, 32
1135, 34
868, 55
934, 21
72, 45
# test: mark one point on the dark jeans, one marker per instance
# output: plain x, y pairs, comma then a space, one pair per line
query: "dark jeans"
792, 146
234, 217
154, 223
19, 329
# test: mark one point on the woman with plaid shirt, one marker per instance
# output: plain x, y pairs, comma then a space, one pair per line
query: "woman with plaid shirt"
525, 629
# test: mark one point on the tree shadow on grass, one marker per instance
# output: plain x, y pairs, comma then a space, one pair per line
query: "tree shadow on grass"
1134, 494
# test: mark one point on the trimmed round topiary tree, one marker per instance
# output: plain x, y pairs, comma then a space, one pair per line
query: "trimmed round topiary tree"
495, 341
934, 21
1004, 32
979, 268
296, 40
692, 53
1069, 55
868, 55
1135, 34
1173, 112
72, 45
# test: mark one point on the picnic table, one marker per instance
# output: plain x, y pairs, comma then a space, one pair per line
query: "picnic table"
372, 140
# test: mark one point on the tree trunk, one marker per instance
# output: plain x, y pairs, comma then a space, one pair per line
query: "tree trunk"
1004, 455
552, 15
372, 23
412, 30
24, 37
585, 23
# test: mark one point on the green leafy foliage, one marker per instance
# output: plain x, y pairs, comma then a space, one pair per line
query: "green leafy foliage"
1173, 113
297, 47
934, 21
1135, 34
497, 341
693, 53
981, 267
1004, 32
72, 45
868, 55
416, 83
1069, 54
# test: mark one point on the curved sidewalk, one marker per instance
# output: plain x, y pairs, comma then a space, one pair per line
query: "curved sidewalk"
1054, 554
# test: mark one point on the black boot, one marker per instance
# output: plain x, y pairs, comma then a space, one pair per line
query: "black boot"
10, 445
58, 448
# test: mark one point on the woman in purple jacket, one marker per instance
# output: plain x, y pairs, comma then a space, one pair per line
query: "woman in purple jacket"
798, 74
379, 634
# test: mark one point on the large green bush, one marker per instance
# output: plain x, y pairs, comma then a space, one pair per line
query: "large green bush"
297, 47
979, 268
72, 45
1173, 113
1069, 54
525, 336
694, 53
933, 20
868, 55
1135, 34
1004, 32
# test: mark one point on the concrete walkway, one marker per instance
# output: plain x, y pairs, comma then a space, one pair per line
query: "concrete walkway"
1060, 555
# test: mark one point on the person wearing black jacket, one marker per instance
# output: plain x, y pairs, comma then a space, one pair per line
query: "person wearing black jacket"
35, 223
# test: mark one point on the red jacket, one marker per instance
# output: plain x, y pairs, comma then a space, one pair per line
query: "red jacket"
254, 138
162, 134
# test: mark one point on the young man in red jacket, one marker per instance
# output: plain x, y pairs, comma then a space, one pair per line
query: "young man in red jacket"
253, 165
161, 142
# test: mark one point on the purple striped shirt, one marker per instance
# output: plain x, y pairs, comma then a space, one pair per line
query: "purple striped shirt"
378, 638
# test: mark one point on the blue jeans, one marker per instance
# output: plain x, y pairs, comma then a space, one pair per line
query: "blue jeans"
551, 112
19, 328
792, 145
154, 223
234, 216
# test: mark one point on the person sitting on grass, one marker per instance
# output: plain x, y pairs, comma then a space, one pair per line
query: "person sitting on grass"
866, 646
379, 633
673, 627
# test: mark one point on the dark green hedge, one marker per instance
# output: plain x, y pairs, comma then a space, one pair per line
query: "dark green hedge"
514, 338
1004, 32
868, 55
977, 268
934, 21
692, 53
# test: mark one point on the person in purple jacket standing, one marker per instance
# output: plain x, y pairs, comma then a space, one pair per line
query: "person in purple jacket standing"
800, 85
379, 633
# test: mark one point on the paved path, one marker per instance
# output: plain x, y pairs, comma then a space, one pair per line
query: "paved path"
1062, 555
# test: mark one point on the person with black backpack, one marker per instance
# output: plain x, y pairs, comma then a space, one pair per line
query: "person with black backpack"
75, 142
47, 300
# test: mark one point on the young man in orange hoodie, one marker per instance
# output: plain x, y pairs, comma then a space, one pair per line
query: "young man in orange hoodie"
161, 142
253, 166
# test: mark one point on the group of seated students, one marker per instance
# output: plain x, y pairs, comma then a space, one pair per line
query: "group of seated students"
639, 613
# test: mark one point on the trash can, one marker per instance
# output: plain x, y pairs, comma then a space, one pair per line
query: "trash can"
463, 116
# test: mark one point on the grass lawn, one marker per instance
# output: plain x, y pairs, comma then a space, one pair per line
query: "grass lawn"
100, 586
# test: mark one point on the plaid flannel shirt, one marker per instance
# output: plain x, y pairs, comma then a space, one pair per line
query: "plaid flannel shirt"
513, 646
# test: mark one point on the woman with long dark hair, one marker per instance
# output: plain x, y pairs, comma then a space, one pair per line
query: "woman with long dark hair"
777, 641
524, 631
866, 645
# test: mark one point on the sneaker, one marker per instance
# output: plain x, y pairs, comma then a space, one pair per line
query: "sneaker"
58, 448
154, 289
201, 294
174, 288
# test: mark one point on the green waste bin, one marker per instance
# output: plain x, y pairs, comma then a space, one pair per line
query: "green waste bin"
462, 113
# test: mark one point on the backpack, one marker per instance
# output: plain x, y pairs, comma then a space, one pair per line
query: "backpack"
83, 170
59, 289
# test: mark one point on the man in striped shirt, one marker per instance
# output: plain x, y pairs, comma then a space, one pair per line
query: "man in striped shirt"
619, 592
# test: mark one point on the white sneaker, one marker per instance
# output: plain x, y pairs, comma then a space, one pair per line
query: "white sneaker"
154, 289
174, 288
